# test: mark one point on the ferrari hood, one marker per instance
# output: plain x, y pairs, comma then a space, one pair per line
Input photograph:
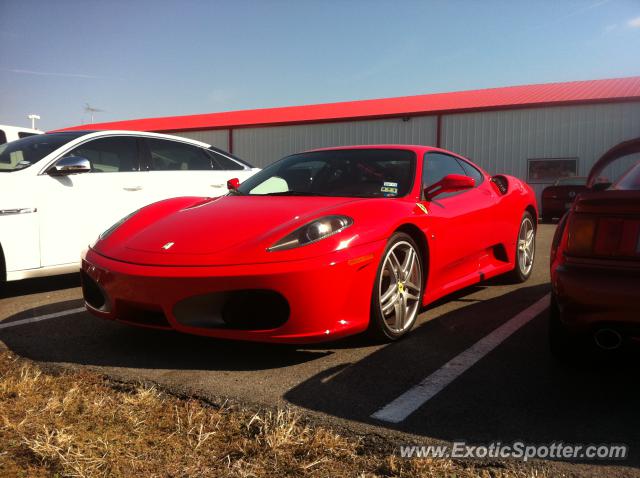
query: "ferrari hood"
218, 231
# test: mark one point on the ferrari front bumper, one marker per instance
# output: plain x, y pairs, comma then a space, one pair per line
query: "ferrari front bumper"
327, 297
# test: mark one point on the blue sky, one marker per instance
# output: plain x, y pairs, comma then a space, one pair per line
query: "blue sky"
141, 58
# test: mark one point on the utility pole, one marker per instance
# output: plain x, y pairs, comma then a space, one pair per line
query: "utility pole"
33, 119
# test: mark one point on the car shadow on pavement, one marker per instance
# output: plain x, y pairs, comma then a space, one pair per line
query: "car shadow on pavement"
364, 340
518, 392
86, 340
41, 284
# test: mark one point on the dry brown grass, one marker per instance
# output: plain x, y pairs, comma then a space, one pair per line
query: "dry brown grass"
78, 425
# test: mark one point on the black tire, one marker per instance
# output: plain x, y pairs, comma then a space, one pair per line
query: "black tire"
3, 268
517, 275
378, 327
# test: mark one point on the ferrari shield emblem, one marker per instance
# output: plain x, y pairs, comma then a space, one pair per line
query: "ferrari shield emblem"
422, 207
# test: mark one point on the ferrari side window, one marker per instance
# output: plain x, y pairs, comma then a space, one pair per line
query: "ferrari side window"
437, 166
472, 172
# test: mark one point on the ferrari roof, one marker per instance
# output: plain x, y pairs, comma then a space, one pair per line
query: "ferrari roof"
548, 94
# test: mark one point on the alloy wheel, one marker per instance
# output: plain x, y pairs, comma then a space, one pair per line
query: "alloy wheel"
399, 287
526, 246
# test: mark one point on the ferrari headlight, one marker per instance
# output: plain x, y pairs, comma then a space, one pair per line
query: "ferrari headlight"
312, 232
110, 231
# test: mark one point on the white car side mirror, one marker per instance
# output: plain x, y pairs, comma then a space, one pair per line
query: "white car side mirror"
70, 165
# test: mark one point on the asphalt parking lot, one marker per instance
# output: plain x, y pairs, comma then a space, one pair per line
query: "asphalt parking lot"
511, 390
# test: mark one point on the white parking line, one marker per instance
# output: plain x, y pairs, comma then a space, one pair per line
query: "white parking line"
42, 317
414, 398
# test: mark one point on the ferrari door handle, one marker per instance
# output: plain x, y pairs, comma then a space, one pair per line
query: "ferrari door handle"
132, 188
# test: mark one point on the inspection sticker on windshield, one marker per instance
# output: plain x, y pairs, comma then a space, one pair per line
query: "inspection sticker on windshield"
390, 185
388, 190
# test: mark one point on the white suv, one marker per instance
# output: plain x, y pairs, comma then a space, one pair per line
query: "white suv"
59, 191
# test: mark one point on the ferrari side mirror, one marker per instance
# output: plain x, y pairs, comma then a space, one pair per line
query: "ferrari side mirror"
233, 184
450, 183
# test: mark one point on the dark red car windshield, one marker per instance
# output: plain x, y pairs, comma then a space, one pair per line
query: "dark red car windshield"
367, 173
574, 181
630, 181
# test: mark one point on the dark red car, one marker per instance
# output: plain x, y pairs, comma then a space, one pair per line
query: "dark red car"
595, 263
557, 198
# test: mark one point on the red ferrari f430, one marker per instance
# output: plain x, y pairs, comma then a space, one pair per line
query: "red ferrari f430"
316, 246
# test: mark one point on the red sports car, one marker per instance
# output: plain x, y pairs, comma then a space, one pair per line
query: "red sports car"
595, 263
317, 246
557, 198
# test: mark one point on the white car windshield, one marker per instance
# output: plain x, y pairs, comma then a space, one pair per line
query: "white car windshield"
22, 153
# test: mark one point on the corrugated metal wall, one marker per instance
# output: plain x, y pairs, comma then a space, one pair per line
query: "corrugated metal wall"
499, 141
215, 137
503, 141
264, 145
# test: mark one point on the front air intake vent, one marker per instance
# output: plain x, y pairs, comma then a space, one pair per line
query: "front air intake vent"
255, 309
92, 292
142, 314
250, 309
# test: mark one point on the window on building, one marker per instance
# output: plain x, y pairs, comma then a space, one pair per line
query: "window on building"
548, 170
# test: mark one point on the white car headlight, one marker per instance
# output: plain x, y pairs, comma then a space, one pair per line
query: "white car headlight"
313, 231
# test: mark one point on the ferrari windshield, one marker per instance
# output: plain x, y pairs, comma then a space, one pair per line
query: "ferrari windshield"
366, 173
24, 152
